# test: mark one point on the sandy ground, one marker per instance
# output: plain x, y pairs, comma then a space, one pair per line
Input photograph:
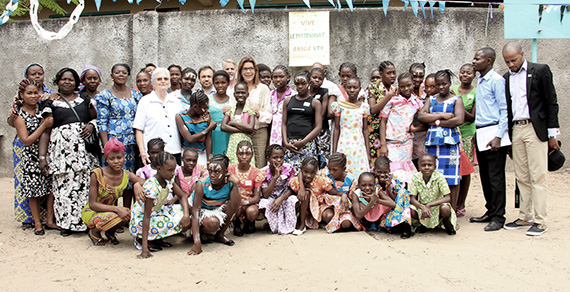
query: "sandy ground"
473, 260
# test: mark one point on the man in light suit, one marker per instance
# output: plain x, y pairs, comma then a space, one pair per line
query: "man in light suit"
533, 126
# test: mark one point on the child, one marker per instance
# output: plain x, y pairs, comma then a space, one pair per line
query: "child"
397, 141
190, 172
429, 85
302, 122
101, 213
430, 197
467, 130
195, 126
281, 78
186, 86
444, 113
375, 76
214, 204
317, 77
377, 95
30, 126
343, 182
250, 179
151, 219
418, 72
351, 129
220, 102
278, 202
155, 146
365, 201
346, 71
315, 192
264, 74
239, 121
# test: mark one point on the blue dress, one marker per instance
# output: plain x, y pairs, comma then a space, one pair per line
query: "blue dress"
220, 139
115, 116
194, 127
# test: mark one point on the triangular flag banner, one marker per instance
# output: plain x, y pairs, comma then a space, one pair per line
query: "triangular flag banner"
422, 4
415, 7
406, 3
68, 1
307, 2
349, 2
385, 4
181, 1
338, 5
98, 4
441, 6
223, 3
240, 3
431, 5
332, 3
252, 4
131, 1
139, 2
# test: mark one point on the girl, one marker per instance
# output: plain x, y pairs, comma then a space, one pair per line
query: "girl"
151, 219
302, 122
365, 201
429, 85
278, 202
397, 141
239, 121
467, 130
264, 74
107, 185
186, 86
351, 125
30, 126
195, 126
343, 182
430, 197
321, 94
418, 72
190, 172
214, 203
144, 84
281, 78
250, 179
220, 102
375, 76
315, 192
377, 95
444, 112
175, 76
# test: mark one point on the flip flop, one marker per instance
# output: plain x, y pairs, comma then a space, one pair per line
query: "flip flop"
112, 237
97, 241
40, 232
228, 242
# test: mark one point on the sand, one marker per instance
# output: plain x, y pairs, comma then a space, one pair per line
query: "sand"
473, 260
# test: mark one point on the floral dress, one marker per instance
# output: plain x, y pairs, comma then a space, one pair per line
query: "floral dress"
115, 116
435, 189
105, 195
235, 138
277, 110
164, 219
340, 214
147, 172
351, 141
377, 91
284, 220
402, 212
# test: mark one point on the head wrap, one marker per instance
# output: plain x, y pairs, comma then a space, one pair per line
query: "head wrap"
113, 145
28, 67
87, 68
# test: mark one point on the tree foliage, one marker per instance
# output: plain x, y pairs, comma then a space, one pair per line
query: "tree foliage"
24, 7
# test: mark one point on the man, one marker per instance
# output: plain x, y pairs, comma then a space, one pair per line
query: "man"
205, 75
533, 126
491, 110
229, 66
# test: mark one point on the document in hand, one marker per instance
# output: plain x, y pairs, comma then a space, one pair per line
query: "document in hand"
486, 134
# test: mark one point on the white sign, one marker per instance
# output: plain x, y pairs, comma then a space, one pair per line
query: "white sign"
309, 38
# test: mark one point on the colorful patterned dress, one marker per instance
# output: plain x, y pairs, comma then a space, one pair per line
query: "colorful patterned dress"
377, 91
147, 172
351, 141
199, 173
435, 189
214, 201
107, 195
164, 219
220, 139
420, 137
249, 180
467, 129
235, 138
115, 116
340, 214
284, 220
402, 212
194, 127
276, 136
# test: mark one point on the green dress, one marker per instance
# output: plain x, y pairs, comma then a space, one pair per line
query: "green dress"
435, 189
235, 138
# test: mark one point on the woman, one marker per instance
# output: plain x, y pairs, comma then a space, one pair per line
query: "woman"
187, 84
144, 86
259, 101
66, 158
90, 79
156, 117
116, 108
22, 212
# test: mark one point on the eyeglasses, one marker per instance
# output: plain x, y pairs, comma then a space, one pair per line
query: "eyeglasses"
248, 69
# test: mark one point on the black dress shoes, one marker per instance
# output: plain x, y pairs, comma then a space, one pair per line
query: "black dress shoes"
483, 219
494, 226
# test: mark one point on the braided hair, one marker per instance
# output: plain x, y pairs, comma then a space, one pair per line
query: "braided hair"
310, 160
162, 157
283, 68
155, 142
404, 75
198, 98
273, 147
220, 159
348, 65
338, 158
243, 143
19, 100
421, 66
445, 73
384, 65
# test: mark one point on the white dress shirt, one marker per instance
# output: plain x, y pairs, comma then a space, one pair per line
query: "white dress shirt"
517, 88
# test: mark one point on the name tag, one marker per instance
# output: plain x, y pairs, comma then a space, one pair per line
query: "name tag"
210, 188
529, 75
283, 177
345, 189
318, 96
306, 104
248, 183
470, 96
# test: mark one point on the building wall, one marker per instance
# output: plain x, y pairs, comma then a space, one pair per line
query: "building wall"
196, 38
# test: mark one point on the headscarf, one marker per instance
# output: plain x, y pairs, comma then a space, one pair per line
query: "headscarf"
87, 68
28, 67
113, 145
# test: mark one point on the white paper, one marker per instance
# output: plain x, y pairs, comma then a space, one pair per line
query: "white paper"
486, 134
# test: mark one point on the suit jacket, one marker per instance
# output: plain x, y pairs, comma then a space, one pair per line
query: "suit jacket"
541, 98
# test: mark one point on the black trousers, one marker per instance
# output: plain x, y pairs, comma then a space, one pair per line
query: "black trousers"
492, 172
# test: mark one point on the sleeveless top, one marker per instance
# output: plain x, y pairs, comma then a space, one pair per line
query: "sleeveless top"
441, 135
214, 199
300, 117
194, 126
106, 194
319, 96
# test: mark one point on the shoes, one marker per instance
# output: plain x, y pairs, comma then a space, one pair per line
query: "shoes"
460, 213
65, 232
249, 227
517, 224
299, 231
96, 240
27, 226
162, 243
112, 237
373, 227
40, 232
151, 246
47, 227
238, 231
536, 229
493, 226
483, 219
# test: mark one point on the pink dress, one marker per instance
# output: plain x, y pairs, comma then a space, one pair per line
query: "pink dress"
277, 110
284, 220
199, 173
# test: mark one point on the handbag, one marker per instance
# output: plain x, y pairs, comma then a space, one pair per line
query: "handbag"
465, 165
92, 142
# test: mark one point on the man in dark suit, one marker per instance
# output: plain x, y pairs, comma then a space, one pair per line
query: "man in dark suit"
533, 126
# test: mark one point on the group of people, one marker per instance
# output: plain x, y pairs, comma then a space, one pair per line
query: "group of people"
395, 155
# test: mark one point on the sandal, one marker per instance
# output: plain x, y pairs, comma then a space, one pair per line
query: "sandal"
112, 237
461, 213
162, 243
249, 227
226, 241
237, 228
97, 241
40, 232
120, 230
47, 227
